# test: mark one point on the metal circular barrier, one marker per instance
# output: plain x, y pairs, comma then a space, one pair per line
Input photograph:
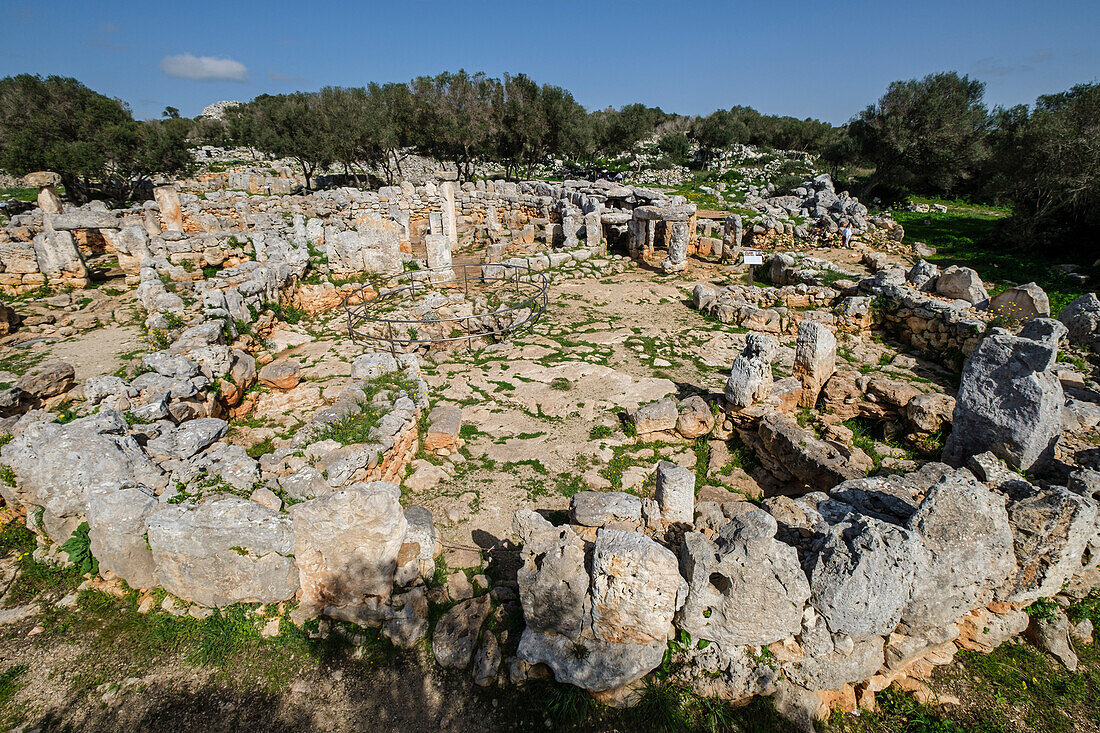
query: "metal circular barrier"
397, 309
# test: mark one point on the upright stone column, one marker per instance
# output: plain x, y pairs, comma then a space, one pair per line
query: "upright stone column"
450, 227
151, 221
678, 234
732, 231
814, 359
650, 238
593, 230
439, 257
637, 230
168, 198
569, 227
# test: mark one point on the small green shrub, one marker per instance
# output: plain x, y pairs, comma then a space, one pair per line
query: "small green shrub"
78, 547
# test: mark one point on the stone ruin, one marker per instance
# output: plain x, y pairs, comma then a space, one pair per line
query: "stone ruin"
820, 594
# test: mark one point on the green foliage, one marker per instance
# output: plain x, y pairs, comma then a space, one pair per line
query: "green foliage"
92, 141
600, 431
561, 384
78, 548
34, 578
1044, 608
1051, 172
966, 235
927, 133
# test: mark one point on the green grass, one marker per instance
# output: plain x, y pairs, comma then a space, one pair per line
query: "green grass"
30, 195
965, 236
34, 578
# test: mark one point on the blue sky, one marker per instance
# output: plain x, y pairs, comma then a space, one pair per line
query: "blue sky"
819, 59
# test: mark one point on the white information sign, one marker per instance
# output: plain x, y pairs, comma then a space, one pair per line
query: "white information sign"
752, 256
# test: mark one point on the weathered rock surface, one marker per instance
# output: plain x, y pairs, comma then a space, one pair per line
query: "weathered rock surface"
863, 577
226, 550
636, 588
675, 492
456, 635
964, 530
281, 374
346, 547
1022, 303
750, 377
57, 465
595, 508
746, 588
1050, 529
814, 359
1009, 401
657, 416
1082, 320
48, 380
116, 529
962, 283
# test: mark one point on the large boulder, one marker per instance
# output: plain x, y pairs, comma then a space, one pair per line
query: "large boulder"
456, 635
595, 508
750, 377
48, 380
1082, 319
346, 547
863, 577
553, 582
601, 631
225, 550
1050, 530
964, 530
1009, 401
746, 588
57, 466
818, 464
1021, 303
962, 283
116, 529
636, 588
660, 416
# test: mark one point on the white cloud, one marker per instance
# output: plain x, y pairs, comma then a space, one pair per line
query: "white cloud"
203, 68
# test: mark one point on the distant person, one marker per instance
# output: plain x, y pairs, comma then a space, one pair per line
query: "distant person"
619, 177
846, 233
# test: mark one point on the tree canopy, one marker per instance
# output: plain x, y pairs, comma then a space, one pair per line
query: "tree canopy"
92, 141
928, 133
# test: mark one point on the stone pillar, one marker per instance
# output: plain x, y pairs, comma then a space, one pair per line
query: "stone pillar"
678, 234
675, 493
152, 223
168, 198
732, 231
750, 377
59, 259
593, 230
569, 229
637, 231
435, 223
814, 359
48, 199
439, 257
650, 238
450, 227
